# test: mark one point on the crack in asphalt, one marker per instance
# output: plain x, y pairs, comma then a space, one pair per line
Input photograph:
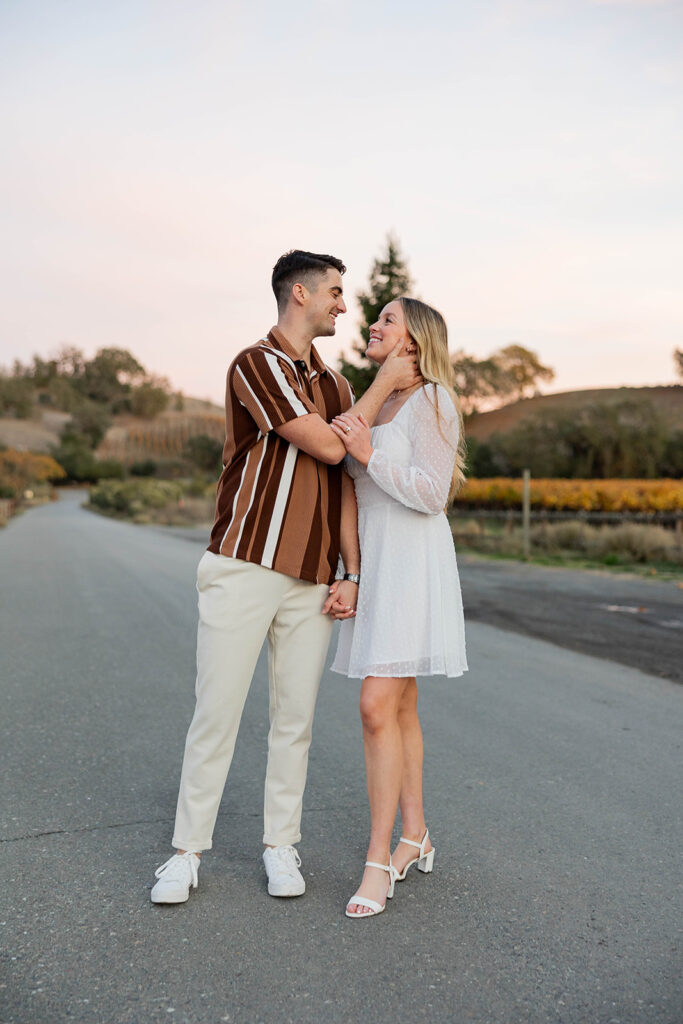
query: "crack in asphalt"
127, 824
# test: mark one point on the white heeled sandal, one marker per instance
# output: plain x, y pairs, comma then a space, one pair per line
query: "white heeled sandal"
364, 901
424, 861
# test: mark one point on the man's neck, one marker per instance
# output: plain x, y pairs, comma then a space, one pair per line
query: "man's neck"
298, 336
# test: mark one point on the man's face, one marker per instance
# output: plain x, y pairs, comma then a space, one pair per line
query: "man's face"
325, 304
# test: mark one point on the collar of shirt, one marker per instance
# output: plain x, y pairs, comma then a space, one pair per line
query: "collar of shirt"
278, 340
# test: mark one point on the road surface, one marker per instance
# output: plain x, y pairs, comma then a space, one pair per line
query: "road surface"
553, 794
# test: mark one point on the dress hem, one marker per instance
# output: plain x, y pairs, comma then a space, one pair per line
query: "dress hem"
398, 675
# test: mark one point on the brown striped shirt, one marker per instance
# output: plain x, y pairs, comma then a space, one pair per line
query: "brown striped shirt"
276, 505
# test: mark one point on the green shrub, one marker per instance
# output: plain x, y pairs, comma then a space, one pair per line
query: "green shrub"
205, 453
145, 467
134, 498
81, 466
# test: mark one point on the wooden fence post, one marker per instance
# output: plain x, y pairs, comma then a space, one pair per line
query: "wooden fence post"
526, 514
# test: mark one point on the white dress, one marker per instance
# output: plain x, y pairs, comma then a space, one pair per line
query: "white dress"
409, 619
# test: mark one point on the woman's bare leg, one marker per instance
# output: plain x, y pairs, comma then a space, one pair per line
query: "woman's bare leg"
379, 703
412, 808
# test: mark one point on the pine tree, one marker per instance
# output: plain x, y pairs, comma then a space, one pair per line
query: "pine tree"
389, 278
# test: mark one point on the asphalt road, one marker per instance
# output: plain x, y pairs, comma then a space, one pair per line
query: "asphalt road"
553, 782
635, 621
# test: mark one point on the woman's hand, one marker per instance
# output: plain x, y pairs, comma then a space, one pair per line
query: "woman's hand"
342, 599
355, 434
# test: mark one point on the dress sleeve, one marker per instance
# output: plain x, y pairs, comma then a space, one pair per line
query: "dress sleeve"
424, 484
268, 388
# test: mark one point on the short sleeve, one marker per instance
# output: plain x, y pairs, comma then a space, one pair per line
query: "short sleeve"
347, 394
268, 388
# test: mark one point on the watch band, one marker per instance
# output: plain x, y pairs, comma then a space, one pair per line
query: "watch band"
352, 577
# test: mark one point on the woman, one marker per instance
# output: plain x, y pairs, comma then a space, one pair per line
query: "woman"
409, 618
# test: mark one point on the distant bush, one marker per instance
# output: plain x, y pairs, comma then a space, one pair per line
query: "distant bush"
16, 397
625, 544
596, 440
171, 469
629, 542
145, 467
134, 498
672, 459
19, 470
80, 465
205, 453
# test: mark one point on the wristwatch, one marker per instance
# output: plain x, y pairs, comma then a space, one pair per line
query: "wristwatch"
352, 577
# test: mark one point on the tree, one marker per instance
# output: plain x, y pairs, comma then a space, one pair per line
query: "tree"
89, 423
511, 372
70, 362
678, 361
477, 381
16, 397
110, 376
389, 278
623, 439
521, 370
148, 400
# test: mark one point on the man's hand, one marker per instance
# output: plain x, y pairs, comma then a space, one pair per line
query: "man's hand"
341, 602
399, 371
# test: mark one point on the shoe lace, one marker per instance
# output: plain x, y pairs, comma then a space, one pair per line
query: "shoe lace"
287, 854
174, 867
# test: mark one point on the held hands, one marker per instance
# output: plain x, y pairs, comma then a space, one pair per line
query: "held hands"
400, 369
341, 602
355, 434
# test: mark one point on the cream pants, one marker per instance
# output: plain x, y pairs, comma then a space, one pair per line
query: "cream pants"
241, 603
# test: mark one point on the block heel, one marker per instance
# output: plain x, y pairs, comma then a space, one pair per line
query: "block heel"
424, 861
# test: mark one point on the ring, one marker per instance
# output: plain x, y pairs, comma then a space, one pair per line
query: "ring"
347, 429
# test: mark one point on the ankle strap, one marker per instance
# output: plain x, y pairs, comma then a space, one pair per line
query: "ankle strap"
374, 864
410, 842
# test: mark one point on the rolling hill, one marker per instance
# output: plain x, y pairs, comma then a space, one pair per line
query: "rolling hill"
667, 400
129, 438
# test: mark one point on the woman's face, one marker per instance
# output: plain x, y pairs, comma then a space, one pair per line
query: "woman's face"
387, 332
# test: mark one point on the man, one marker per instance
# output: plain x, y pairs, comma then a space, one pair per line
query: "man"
273, 553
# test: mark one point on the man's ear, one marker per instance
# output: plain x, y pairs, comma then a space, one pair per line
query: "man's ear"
299, 293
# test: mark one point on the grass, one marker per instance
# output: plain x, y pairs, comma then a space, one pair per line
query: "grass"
660, 570
644, 550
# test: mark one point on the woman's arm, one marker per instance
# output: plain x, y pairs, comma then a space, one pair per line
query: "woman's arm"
341, 603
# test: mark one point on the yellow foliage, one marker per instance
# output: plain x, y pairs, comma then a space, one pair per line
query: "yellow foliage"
20, 469
575, 495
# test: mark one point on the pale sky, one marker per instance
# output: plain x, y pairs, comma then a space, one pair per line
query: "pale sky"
159, 157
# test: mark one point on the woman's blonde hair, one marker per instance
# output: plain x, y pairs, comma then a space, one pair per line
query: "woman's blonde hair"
428, 330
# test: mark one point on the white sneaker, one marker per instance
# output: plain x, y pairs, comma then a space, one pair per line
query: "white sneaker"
282, 867
176, 876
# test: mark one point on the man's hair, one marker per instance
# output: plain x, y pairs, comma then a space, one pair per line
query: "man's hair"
300, 267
